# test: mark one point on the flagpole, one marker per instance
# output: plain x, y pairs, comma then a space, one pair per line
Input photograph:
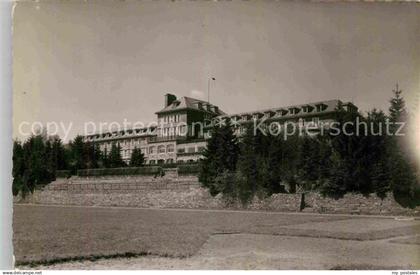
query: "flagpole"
208, 88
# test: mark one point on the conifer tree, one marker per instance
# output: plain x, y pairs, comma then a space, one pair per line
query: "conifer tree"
36, 171
378, 159
405, 179
104, 159
137, 158
309, 159
220, 155
335, 185
397, 111
77, 154
18, 185
59, 154
249, 164
272, 183
50, 161
115, 159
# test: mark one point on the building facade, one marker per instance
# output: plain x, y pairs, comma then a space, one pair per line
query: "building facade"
183, 126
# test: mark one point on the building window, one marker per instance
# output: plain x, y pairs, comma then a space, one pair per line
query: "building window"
183, 130
170, 148
181, 150
152, 150
161, 149
301, 122
152, 161
191, 150
169, 161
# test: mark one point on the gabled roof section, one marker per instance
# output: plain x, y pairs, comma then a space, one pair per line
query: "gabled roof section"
190, 103
327, 106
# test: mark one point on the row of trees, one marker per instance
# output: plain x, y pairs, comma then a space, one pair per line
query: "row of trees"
258, 164
36, 161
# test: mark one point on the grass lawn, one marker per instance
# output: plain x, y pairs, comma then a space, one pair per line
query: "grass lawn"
48, 233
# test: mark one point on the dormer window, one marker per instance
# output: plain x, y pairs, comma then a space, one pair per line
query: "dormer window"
257, 115
294, 110
307, 108
282, 112
245, 117
234, 118
321, 107
269, 114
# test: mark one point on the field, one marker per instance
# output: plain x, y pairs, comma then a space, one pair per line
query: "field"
93, 237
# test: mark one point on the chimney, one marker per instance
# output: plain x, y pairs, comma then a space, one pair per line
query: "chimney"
169, 98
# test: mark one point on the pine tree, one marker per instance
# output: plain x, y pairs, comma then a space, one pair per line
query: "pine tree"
137, 158
35, 172
397, 111
381, 178
59, 154
90, 157
209, 164
404, 172
77, 154
228, 149
335, 185
18, 169
50, 161
289, 160
377, 158
220, 155
309, 159
272, 183
249, 164
115, 159
97, 155
351, 153
104, 159
404, 182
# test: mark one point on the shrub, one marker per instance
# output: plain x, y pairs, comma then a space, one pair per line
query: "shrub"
123, 171
188, 169
62, 173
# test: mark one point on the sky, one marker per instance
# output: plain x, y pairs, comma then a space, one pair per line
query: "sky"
104, 61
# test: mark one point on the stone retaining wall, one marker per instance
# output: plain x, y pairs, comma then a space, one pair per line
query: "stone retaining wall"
357, 204
186, 192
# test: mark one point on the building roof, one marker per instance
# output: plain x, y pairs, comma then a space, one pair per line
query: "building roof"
327, 106
134, 132
192, 104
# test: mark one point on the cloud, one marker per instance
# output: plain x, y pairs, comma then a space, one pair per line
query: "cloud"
197, 94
